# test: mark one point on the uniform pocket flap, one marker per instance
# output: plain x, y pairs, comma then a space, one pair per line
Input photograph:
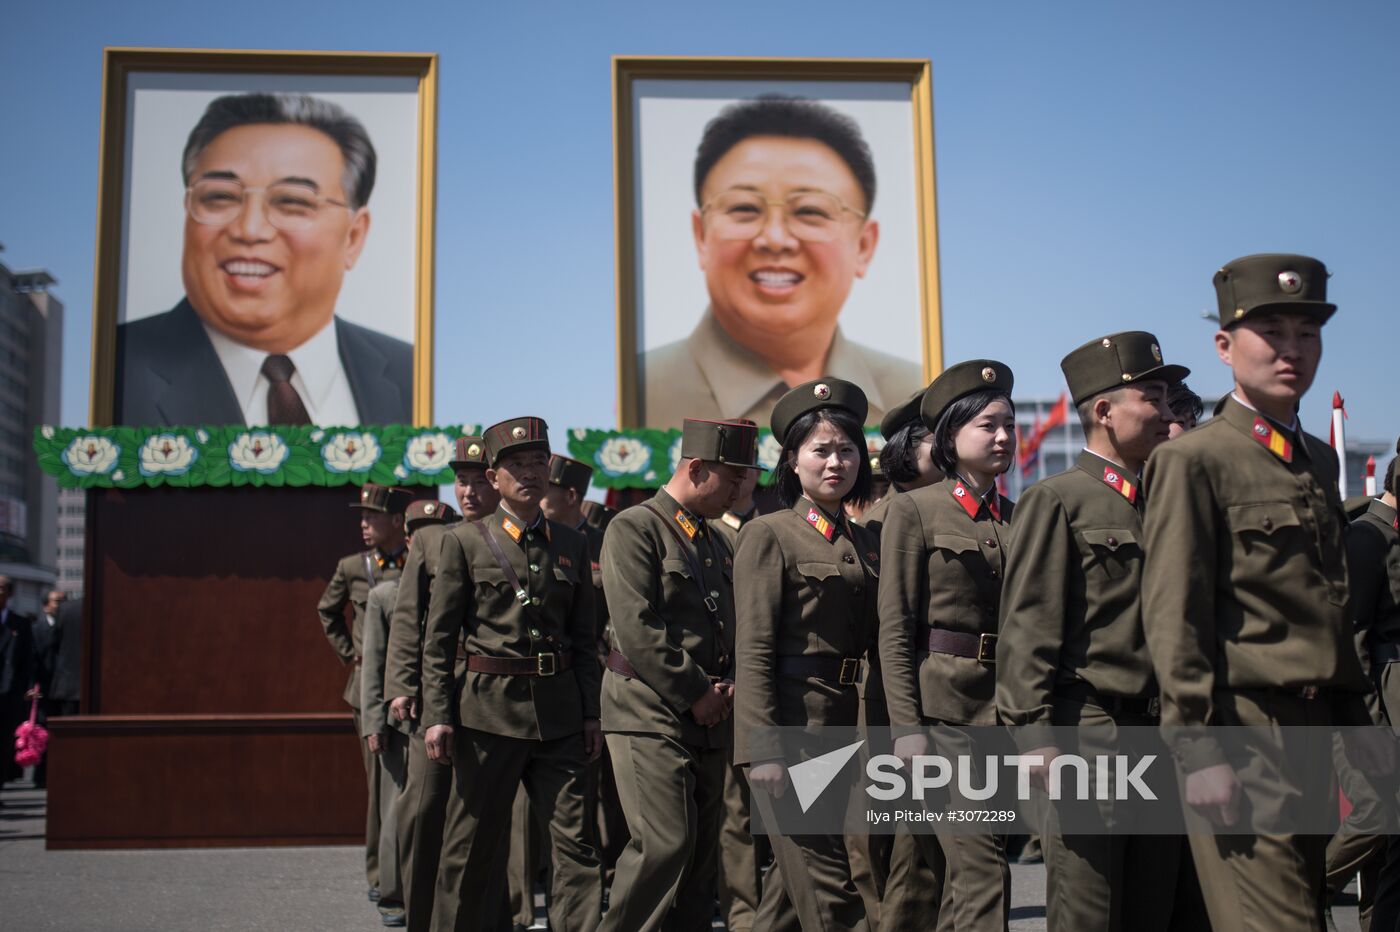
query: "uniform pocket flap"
955, 543
491, 575
1264, 517
819, 570
676, 566
1110, 537
565, 574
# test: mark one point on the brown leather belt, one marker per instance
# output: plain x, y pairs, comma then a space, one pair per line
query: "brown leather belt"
979, 647
622, 666
538, 665
844, 671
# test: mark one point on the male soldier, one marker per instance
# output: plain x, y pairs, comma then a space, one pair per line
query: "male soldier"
1072, 650
428, 807
386, 742
381, 527
1245, 600
669, 686
515, 586
1373, 558
741, 855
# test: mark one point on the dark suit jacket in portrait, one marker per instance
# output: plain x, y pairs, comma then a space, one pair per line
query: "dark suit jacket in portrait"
169, 373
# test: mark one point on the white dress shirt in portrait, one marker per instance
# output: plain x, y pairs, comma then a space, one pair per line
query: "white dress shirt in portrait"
319, 379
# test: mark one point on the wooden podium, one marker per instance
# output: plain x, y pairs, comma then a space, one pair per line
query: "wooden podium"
212, 709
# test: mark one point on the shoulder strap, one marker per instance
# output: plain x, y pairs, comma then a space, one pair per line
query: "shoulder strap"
369, 568
520, 591
710, 604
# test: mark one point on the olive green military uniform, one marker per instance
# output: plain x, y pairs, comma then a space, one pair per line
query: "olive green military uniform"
806, 585
741, 855
392, 759
670, 770
1373, 561
1245, 604
532, 679
354, 576
1072, 652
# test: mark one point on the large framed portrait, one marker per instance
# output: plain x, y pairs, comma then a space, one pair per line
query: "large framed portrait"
776, 222
265, 239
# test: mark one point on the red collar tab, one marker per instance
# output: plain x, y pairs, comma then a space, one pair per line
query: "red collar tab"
1273, 439
1113, 477
972, 503
819, 521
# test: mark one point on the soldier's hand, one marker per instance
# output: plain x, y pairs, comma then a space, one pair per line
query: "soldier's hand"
402, 708
1040, 773
438, 742
770, 777
711, 708
1215, 792
910, 746
592, 738
376, 744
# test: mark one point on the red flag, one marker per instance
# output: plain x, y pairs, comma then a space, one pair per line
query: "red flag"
1030, 448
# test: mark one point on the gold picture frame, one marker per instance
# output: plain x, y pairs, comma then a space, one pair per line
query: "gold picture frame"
628, 70
120, 64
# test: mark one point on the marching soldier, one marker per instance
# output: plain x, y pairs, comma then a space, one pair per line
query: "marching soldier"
1245, 595
516, 586
1071, 651
945, 550
387, 742
668, 689
428, 806
805, 586
381, 526
742, 856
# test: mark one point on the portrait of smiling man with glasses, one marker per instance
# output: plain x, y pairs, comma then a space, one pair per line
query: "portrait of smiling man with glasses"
784, 189
277, 188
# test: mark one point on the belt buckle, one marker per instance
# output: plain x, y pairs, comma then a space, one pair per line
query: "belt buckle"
987, 648
1308, 692
545, 669
849, 674
522, 596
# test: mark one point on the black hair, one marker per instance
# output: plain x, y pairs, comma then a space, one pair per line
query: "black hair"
899, 458
785, 478
234, 110
960, 412
794, 117
1184, 402
1389, 484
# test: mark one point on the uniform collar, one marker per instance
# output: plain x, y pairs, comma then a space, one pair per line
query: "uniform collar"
515, 528
740, 379
691, 524
971, 502
1280, 441
818, 519
1383, 511
1116, 477
383, 558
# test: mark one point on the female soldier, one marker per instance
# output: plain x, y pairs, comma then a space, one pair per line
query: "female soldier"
805, 589
939, 596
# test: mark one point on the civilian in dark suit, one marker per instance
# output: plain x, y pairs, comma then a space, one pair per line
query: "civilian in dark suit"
275, 201
45, 629
65, 689
16, 678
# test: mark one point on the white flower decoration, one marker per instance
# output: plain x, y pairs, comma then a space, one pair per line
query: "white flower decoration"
118, 476
428, 453
317, 434
202, 435
171, 454
351, 452
259, 451
623, 456
47, 431
769, 449
675, 455
91, 455
400, 471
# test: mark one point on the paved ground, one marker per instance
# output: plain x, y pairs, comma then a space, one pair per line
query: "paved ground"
243, 889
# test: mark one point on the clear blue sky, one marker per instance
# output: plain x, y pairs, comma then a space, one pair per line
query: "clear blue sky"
1096, 163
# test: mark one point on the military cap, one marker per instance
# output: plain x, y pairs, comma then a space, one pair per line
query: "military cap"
383, 498
1272, 282
427, 511
471, 451
975, 375
597, 514
1114, 361
570, 474
901, 415
518, 433
732, 442
811, 396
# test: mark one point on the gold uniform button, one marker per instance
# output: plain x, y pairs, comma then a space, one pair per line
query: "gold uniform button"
534, 632
1113, 542
1268, 524
708, 561
714, 593
535, 600
989, 542
534, 567
848, 558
